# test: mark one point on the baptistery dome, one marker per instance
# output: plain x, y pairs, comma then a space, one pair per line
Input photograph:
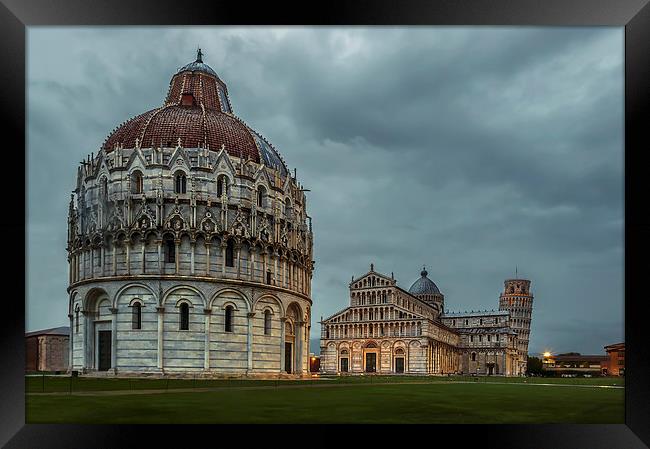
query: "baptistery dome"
189, 244
196, 113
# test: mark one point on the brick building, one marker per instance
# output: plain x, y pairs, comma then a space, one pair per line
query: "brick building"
47, 349
615, 364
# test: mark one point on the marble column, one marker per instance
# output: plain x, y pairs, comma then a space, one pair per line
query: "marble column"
161, 313
114, 258
283, 336
249, 341
71, 343
193, 248
143, 253
113, 311
177, 260
224, 244
238, 249
206, 351
299, 346
128, 256
207, 257
160, 261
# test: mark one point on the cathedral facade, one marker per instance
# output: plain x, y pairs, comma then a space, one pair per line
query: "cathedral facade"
388, 330
189, 244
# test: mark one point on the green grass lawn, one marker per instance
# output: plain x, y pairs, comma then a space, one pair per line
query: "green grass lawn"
48, 384
349, 400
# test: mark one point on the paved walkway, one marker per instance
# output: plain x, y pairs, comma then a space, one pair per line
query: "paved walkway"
313, 385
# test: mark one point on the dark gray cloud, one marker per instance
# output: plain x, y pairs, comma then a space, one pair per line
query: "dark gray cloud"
470, 150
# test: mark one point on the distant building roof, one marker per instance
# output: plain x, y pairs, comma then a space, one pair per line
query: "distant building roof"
472, 313
578, 357
486, 330
615, 347
63, 330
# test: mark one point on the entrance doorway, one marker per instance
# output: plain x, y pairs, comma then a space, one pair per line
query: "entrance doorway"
344, 365
490, 367
371, 362
288, 357
399, 364
104, 350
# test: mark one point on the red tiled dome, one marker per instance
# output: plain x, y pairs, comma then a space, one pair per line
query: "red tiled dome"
197, 111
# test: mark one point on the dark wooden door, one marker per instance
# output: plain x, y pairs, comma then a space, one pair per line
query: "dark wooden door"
287, 357
371, 362
399, 365
344, 365
104, 342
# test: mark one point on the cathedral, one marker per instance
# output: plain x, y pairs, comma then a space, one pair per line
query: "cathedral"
189, 244
388, 330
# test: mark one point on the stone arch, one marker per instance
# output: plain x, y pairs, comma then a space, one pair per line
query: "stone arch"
125, 288
294, 311
93, 297
371, 344
220, 292
74, 294
273, 298
180, 287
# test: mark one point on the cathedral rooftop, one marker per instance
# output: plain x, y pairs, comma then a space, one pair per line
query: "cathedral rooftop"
424, 285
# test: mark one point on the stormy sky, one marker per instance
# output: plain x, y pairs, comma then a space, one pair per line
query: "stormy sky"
471, 150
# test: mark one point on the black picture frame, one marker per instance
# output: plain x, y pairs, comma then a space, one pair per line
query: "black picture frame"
634, 15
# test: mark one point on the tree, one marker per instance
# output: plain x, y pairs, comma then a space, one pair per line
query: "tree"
534, 366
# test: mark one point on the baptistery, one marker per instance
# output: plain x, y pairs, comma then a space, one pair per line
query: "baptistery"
189, 244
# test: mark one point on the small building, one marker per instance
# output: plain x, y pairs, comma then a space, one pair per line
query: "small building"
574, 363
615, 364
47, 349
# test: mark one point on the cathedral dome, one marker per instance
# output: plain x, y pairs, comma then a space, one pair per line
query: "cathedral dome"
424, 286
196, 114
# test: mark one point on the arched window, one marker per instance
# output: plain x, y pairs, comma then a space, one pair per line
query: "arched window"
230, 253
137, 182
267, 322
77, 319
136, 316
222, 185
228, 321
180, 185
170, 250
287, 206
104, 188
184, 317
268, 277
261, 195
473, 357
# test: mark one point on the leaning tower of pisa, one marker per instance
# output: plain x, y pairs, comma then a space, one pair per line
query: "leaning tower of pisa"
518, 300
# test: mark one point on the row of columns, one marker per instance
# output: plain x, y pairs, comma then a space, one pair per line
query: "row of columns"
89, 332
443, 358
365, 330
284, 273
